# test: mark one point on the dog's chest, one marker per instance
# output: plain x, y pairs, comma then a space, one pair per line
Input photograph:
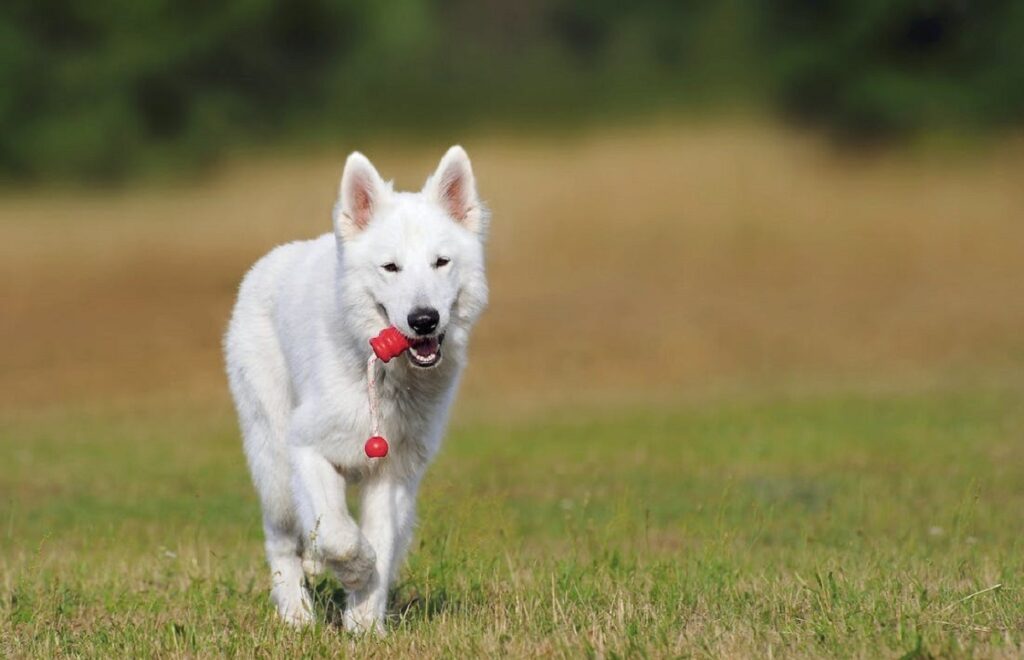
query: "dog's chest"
412, 410
406, 409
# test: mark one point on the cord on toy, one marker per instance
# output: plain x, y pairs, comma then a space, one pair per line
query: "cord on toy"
390, 343
371, 392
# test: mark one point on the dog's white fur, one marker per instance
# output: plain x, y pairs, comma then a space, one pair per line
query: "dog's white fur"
296, 352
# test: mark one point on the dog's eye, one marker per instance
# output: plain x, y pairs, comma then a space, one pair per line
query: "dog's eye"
442, 262
391, 267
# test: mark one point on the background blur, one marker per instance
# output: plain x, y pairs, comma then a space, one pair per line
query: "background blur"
687, 196
104, 90
751, 379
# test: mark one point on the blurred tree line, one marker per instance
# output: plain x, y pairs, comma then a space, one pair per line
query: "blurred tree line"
93, 89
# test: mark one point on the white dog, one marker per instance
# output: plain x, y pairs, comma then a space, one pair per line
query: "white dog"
296, 352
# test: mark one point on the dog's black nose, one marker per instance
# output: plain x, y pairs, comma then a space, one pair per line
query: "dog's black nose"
424, 320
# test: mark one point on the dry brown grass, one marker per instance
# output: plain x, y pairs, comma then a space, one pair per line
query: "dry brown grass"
634, 263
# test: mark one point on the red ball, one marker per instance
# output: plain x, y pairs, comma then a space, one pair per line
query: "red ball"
376, 447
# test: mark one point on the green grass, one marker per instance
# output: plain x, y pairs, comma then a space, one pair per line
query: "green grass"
851, 526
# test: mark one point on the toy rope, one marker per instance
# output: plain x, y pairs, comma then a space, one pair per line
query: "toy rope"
371, 394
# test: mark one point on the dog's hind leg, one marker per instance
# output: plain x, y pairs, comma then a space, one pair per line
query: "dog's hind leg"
283, 538
287, 577
255, 371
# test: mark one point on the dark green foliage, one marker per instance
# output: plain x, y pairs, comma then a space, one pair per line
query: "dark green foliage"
877, 69
94, 90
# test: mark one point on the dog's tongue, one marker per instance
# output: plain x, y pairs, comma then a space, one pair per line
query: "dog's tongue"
425, 347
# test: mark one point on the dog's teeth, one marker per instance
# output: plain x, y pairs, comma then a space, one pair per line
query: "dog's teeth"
425, 359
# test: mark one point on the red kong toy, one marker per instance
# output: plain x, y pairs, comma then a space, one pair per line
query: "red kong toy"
387, 345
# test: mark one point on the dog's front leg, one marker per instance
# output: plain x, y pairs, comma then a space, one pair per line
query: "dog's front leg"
331, 535
387, 519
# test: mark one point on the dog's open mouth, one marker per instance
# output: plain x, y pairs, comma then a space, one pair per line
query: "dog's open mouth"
425, 351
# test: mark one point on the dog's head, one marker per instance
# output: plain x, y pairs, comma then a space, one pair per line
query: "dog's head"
413, 260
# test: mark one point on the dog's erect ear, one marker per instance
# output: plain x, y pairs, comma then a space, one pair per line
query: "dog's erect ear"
359, 196
454, 188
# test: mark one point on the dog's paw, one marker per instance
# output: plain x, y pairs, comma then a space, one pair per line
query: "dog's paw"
362, 621
294, 605
356, 568
312, 564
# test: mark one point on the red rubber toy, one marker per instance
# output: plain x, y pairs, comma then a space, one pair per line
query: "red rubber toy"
387, 345
390, 343
376, 447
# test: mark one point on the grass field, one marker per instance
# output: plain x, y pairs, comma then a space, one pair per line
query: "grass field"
760, 400
846, 526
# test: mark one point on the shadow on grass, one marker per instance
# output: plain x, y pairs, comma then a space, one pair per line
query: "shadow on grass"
329, 598
407, 603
